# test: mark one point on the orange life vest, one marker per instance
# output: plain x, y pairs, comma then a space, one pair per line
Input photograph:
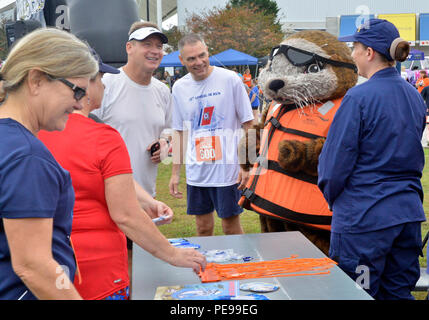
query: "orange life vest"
273, 191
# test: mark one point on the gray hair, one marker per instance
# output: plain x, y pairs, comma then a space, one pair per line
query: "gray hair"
190, 38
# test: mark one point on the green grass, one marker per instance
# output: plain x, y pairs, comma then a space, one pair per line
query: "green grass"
425, 225
425, 183
184, 225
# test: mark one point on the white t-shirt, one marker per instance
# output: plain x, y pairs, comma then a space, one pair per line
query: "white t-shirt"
140, 113
212, 111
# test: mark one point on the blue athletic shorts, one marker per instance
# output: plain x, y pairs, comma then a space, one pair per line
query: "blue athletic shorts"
203, 200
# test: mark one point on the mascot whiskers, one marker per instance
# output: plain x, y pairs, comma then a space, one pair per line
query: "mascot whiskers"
306, 77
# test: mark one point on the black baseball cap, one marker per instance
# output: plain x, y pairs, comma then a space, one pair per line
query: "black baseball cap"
102, 67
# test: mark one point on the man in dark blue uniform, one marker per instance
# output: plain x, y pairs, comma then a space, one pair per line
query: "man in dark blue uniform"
370, 169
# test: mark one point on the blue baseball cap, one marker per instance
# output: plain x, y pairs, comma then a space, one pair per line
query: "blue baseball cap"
379, 34
102, 67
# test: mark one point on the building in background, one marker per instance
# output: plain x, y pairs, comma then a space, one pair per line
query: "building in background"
104, 24
338, 17
149, 10
7, 10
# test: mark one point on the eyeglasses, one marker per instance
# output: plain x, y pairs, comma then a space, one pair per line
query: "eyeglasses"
299, 57
79, 92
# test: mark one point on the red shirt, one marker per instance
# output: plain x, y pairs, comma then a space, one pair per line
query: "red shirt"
93, 152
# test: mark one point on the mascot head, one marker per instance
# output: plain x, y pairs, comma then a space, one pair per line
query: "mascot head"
308, 67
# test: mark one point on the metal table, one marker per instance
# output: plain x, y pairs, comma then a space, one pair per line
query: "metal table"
150, 272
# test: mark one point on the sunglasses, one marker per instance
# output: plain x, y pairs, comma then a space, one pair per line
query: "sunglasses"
299, 57
79, 92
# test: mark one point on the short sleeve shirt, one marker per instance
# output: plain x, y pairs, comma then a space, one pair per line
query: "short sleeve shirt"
140, 113
212, 111
254, 92
93, 152
32, 185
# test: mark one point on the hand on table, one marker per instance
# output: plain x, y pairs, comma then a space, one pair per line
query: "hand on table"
189, 258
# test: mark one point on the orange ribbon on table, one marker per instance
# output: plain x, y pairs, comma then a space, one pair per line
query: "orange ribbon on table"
287, 267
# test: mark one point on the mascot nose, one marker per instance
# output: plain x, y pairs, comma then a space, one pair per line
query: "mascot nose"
276, 85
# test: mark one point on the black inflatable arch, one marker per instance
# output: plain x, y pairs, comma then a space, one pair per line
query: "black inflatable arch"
104, 24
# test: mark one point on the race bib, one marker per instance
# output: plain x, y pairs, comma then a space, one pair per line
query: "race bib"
208, 149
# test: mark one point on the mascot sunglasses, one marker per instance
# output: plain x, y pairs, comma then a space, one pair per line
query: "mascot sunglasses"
299, 57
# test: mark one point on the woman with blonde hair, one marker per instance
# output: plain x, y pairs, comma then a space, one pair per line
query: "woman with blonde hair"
44, 78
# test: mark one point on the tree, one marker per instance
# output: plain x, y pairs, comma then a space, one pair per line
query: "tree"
3, 42
173, 34
241, 28
268, 7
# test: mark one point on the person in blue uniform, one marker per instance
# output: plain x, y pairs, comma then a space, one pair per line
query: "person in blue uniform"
370, 169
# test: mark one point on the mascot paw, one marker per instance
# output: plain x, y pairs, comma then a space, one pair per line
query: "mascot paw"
248, 148
313, 150
292, 155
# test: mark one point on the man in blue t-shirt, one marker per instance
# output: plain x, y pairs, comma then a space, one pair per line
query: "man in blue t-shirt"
254, 99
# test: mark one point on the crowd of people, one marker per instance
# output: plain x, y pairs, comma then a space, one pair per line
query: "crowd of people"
75, 191
420, 82
82, 141
168, 79
256, 96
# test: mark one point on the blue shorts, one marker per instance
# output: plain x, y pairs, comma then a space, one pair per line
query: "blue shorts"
123, 294
204, 200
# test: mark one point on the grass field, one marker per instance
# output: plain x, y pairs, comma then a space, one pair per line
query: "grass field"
184, 225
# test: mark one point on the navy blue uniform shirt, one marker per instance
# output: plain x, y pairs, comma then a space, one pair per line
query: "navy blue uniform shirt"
32, 185
371, 164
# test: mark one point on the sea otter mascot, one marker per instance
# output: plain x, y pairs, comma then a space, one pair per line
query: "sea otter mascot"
306, 78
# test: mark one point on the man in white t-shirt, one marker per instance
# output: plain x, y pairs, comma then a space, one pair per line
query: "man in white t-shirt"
138, 105
210, 108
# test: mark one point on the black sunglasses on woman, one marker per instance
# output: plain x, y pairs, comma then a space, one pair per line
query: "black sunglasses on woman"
79, 92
